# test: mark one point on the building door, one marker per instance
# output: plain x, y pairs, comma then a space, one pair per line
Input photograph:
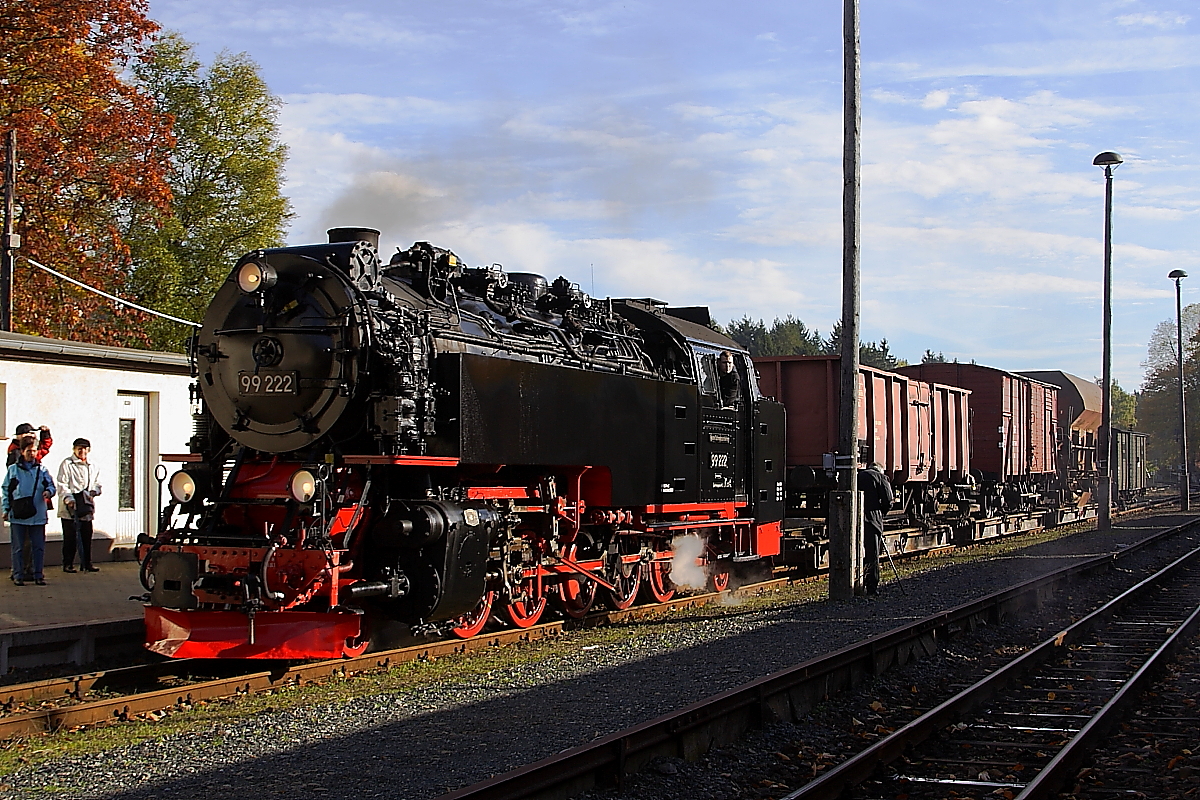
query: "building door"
133, 467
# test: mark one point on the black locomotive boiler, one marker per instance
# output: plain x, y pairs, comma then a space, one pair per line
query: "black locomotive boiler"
431, 444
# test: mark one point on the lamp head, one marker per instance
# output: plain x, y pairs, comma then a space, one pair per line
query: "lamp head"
1176, 274
1107, 159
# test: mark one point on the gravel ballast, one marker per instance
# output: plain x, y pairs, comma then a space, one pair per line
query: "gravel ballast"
421, 742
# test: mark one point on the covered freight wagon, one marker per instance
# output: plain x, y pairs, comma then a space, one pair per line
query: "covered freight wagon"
918, 431
1080, 408
1130, 475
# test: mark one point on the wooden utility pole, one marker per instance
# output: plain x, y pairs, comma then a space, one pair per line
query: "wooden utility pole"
11, 241
845, 508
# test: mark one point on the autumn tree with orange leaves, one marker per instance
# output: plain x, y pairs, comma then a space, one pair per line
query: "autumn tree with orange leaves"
92, 157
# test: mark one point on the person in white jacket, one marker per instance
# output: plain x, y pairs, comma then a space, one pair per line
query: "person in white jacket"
78, 483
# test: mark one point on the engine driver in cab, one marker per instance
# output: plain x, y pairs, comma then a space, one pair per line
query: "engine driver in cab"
730, 383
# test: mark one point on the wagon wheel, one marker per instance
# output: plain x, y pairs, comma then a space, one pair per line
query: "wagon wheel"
657, 585
355, 647
472, 623
525, 612
718, 581
628, 579
576, 594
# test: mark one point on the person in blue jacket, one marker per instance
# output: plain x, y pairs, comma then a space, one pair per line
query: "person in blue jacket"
27, 487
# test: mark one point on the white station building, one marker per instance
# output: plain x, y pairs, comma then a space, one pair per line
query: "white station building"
133, 405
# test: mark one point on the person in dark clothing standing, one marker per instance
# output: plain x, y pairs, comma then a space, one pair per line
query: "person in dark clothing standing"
78, 485
877, 501
729, 381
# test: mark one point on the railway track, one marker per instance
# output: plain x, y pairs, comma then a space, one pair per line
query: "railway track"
1026, 728
1153, 752
789, 694
33, 648
124, 693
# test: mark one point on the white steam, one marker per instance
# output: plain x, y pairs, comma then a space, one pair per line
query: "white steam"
686, 573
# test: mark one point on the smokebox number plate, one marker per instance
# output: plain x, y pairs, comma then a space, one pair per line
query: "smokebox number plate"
269, 382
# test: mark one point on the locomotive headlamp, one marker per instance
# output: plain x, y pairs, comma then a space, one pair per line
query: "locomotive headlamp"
303, 486
183, 487
254, 276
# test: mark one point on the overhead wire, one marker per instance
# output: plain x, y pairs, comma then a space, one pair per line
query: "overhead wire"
112, 297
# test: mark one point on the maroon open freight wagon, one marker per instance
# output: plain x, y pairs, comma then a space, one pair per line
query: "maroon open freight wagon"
917, 430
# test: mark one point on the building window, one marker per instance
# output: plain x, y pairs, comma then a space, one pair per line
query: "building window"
126, 468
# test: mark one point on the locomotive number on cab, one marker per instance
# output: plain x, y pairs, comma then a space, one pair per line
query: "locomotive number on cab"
269, 383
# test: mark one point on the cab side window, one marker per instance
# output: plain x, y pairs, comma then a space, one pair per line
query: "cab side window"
749, 376
708, 374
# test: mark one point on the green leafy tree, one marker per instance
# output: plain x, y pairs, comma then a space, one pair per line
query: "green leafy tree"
791, 337
1124, 407
1158, 402
750, 334
225, 176
1162, 351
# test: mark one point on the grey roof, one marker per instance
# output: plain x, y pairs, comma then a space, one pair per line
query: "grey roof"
20, 347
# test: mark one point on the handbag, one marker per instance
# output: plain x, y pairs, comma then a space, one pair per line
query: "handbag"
84, 506
23, 508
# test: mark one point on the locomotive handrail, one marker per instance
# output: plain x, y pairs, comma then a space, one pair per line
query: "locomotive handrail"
288, 329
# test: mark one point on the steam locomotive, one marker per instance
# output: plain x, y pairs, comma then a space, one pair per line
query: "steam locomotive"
425, 443
429, 445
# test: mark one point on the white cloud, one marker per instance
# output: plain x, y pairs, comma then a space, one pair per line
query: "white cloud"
1152, 20
322, 110
1062, 57
936, 99
292, 24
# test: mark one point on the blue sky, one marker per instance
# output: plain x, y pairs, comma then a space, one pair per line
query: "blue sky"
691, 151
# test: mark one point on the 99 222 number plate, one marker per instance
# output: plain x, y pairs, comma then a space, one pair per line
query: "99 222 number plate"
268, 382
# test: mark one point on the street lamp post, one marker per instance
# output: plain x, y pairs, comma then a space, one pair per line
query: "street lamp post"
1185, 492
1110, 161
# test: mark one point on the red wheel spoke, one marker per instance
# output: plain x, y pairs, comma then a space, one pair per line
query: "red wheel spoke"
658, 584
718, 581
576, 594
469, 625
628, 579
525, 612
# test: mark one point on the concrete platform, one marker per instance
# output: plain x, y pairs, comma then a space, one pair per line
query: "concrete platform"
74, 619
72, 598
